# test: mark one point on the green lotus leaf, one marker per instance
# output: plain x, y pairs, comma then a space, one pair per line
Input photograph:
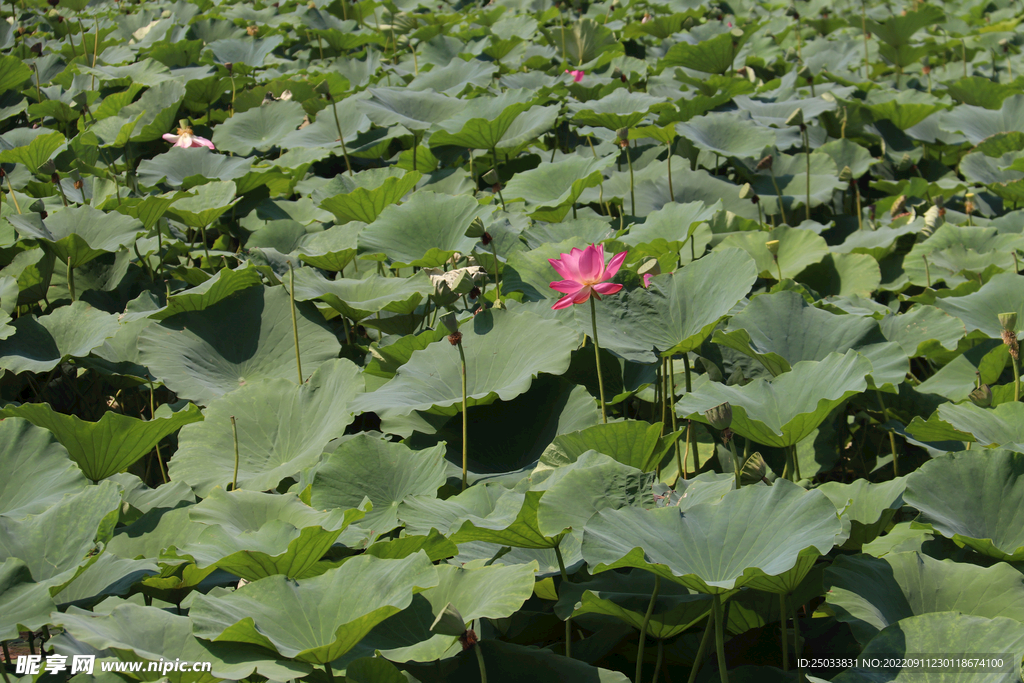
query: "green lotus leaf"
550, 189
453, 78
1001, 294
109, 446
845, 153
784, 411
631, 442
315, 620
778, 112
24, 604
843, 275
359, 299
713, 56
13, 72
302, 420
592, 483
386, 473
136, 633
261, 128
673, 224
323, 133
582, 42
185, 168
414, 110
979, 92
941, 632
984, 170
904, 109
676, 313
965, 496
367, 194
526, 128
627, 597
80, 233
108, 575
204, 354
60, 542
870, 593
424, 231
254, 535
225, 283
978, 123
152, 208
917, 328
798, 249
36, 153
870, 507
504, 351
41, 344
1001, 426
206, 205
620, 109
482, 121
954, 249
35, 471
330, 249
791, 177
251, 52
728, 134
762, 537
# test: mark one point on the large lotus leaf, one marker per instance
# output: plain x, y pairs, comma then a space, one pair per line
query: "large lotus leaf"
323, 133
843, 275
978, 123
24, 604
530, 271
79, 233
386, 473
253, 534
319, 619
248, 51
904, 109
35, 471
676, 313
916, 329
358, 299
453, 78
551, 188
791, 178
282, 429
620, 109
260, 128
594, 482
672, 224
943, 633
36, 153
980, 310
201, 355
40, 344
870, 507
504, 351
845, 153
222, 285
59, 543
712, 56
778, 112
425, 231
206, 205
787, 409
727, 134
110, 445
1000, 426
954, 249
136, 633
763, 537
870, 593
108, 575
365, 196
628, 596
630, 442
482, 121
798, 249
330, 249
409, 108
506, 662
973, 498
185, 168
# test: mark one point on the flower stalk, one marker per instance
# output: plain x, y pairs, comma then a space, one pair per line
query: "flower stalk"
643, 629
295, 322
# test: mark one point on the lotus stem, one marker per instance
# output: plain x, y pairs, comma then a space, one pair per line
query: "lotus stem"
680, 461
723, 672
643, 630
807, 152
1016, 377
295, 323
864, 28
860, 217
480, 661
672, 195
330, 672
778, 194
152, 416
494, 250
71, 279
704, 643
568, 621
597, 358
7, 654
206, 248
796, 645
782, 631
632, 192
892, 437
234, 437
415, 145
462, 357
13, 198
691, 433
659, 660
344, 150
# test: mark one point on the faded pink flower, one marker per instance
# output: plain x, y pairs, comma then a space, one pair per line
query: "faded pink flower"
647, 17
185, 138
577, 75
585, 274
647, 280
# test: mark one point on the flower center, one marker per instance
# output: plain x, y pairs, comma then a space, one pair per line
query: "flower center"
185, 131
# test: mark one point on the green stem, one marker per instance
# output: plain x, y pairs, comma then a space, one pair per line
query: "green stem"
568, 621
13, 198
480, 661
206, 249
152, 416
659, 660
672, 413
671, 194
234, 437
330, 672
462, 356
597, 357
778, 194
344, 149
295, 323
691, 433
497, 281
704, 643
71, 279
723, 672
1016, 377
807, 151
892, 437
643, 630
782, 631
632, 193
796, 645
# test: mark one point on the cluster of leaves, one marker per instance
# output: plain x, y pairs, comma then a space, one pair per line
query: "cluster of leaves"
232, 430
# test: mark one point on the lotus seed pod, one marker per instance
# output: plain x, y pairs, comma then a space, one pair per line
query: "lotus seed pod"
623, 134
846, 175
773, 247
720, 416
982, 396
746, 192
796, 118
754, 470
650, 267
491, 177
1008, 321
765, 163
450, 322
449, 622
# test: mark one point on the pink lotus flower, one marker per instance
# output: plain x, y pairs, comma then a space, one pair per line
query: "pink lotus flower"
647, 280
185, 138
585, 274
577, 75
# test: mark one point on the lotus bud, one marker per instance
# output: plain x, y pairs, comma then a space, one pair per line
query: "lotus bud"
796, 118
55, 178
773, 247
450, 322
229, 66
617, 73
449, 622
491, 177
754, 470
982, 396
765, 163
1008, 321
846, 175
720, 416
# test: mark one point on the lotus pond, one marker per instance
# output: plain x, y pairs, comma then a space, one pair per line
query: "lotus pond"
403, 340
